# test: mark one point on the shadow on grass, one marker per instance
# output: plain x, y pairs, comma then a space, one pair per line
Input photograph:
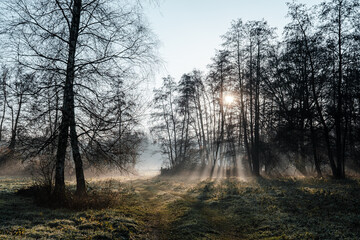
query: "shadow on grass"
21, 218
314, 208
202, 213
223, 209
20, 213
268, 209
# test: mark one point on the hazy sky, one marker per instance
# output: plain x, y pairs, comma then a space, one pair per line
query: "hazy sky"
190, 30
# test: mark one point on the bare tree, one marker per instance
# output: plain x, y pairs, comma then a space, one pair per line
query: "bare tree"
89, 44
4, 93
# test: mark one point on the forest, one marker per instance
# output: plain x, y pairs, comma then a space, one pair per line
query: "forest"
265, 144
269, 106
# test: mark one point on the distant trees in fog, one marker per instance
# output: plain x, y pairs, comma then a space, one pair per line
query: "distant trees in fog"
296, 101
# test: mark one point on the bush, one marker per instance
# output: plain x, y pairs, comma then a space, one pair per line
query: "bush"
42, 195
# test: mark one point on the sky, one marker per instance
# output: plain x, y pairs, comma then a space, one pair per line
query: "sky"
189, 30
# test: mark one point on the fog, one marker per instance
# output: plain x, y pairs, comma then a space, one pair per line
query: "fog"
150, 161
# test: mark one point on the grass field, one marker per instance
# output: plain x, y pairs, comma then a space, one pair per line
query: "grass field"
163, 208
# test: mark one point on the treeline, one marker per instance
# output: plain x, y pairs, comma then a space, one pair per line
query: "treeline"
269, 106
69, 95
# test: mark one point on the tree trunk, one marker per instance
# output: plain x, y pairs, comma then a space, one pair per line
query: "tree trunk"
256, 160
4, 104
14, 130
220, 139
338, 114
80, 179
202, 132
314, 145
59, 190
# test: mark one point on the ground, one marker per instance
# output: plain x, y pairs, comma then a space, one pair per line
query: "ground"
173, 208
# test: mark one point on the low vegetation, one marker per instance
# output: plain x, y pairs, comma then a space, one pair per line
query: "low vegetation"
164, 208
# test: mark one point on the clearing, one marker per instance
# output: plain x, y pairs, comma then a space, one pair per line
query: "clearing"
173, 208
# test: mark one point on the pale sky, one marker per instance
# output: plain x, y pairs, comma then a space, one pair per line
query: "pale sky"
190, 30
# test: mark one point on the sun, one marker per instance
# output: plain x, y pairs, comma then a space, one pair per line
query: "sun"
229, 99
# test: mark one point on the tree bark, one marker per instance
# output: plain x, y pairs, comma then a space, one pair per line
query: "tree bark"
5, 102
80, 179
256, 163
14, 130
68, 103
338, 115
